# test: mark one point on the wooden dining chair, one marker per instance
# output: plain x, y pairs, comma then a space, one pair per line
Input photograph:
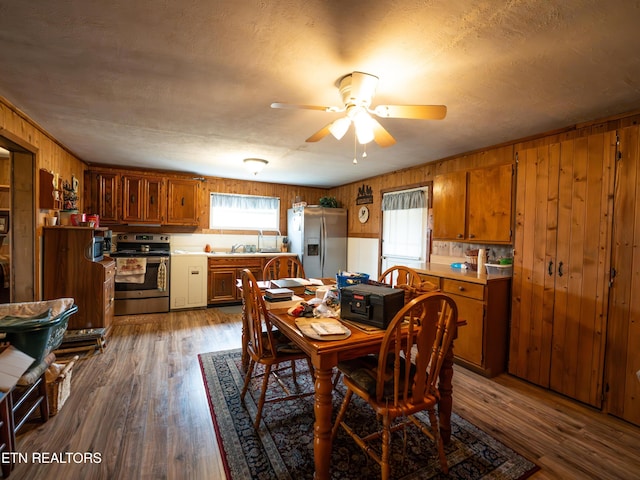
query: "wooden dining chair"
284, 266
395, 388
407, 279
266, 346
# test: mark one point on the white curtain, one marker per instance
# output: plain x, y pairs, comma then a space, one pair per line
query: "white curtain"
404, 228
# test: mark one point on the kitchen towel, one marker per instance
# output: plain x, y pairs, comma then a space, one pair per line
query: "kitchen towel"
162, 276
130, 270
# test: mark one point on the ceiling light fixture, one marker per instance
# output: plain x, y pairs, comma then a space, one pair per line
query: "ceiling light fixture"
364, 127
255, 165
339, 127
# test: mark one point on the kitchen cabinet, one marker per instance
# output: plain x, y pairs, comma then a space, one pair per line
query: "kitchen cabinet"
143, 199
224, 273
183, 204
68, 273
564, 201
474, 205
102, 195
109, 292
482, 343
623, 331
483, 303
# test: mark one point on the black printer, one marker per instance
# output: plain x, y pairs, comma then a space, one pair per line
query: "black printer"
372, 305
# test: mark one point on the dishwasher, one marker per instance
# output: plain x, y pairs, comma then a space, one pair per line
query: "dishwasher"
188, 280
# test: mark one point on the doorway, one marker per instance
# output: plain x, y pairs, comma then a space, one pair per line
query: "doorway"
17, 222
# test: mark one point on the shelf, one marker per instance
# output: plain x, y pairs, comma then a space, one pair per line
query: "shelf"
48, 198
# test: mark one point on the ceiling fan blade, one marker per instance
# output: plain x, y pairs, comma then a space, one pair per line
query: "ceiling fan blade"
320, 134
363, 86
304, 107
424, 112
380, 135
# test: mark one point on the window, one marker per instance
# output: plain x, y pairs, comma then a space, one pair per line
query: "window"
404, 228
244, 212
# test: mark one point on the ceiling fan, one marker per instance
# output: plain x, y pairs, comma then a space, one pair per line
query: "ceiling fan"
357, 90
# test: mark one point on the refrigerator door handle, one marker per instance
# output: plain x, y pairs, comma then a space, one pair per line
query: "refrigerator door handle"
323, 240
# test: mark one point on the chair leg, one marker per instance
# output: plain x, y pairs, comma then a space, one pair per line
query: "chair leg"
343, 410
386, 447
293, 371
312, 370
435, 428
247, 379
263, 394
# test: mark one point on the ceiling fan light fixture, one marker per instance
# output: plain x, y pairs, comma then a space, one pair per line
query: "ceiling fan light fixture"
339, 127
255, 165
364, 127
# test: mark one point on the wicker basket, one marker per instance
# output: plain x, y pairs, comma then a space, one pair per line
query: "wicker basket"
59, 389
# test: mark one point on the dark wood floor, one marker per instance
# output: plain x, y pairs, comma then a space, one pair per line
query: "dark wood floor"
142, 406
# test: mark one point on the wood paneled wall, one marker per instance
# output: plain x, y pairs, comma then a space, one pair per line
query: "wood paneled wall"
490, 156
414, 176
49, 153
21, 134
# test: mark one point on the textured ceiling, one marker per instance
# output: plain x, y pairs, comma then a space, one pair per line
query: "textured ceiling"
188, 85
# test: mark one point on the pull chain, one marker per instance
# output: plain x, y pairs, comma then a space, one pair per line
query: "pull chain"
355, 148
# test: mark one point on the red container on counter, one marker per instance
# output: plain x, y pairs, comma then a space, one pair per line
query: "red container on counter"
94, 218
76, 218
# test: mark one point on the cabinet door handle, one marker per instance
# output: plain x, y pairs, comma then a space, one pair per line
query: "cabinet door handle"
151, 199
132, 199
560, 272
461, 289
471, 235
182, 201
550, 267
459, 235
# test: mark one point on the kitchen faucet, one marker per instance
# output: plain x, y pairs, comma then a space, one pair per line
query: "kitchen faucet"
236, 247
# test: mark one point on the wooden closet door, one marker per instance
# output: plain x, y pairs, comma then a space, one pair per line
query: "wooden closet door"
534, 263
585, 207
623, 329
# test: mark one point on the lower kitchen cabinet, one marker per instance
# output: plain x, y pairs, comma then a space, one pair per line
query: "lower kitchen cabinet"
224, 273
483, 303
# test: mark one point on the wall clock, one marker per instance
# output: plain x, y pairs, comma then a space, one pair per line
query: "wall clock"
363, 214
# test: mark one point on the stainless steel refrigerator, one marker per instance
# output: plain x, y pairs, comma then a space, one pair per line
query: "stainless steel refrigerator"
319, 236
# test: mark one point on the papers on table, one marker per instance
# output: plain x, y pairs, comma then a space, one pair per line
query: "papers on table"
307, 281
327, 328
280, 305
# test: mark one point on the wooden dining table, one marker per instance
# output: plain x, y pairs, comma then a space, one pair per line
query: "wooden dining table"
325, 355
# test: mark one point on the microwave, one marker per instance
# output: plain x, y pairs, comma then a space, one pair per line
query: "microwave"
95, 249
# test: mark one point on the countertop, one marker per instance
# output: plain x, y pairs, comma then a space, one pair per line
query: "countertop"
446, 271
226, 254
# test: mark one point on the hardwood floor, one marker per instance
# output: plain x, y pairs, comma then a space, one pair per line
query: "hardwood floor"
141, 405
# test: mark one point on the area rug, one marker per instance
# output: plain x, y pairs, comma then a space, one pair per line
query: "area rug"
283, 447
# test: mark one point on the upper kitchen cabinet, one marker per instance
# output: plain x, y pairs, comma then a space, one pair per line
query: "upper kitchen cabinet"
449, 206
183, 205
474, 206
143, 199
102, 195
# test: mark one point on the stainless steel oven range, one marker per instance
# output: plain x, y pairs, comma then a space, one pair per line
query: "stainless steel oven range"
142, 273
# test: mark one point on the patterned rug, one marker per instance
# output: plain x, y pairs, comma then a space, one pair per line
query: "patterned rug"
283, 448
